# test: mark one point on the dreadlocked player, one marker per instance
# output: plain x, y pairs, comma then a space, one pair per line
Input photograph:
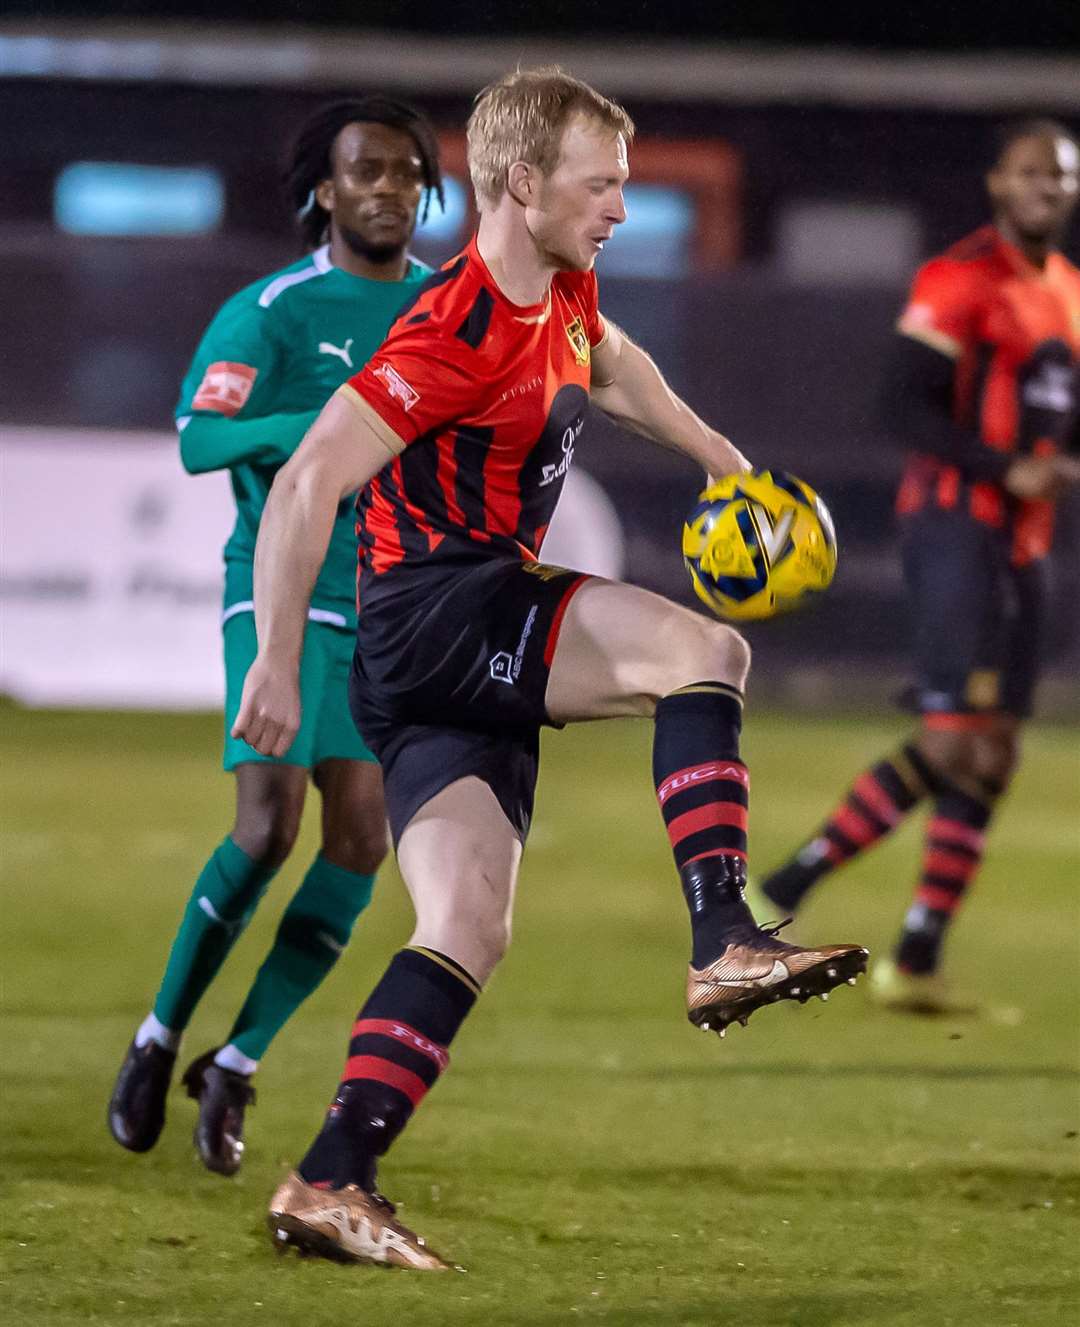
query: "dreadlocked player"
983, 391
358, 174
462, 428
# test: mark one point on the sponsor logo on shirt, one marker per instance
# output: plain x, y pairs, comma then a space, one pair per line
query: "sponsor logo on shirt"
549, 473
579, 341
342, 352
396, 385
225, 387
520, 388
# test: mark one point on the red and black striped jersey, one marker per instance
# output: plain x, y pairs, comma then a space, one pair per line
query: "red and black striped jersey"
1013, 333
489, 398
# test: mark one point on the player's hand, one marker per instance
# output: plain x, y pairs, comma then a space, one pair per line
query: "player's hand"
1041, 477
269, 714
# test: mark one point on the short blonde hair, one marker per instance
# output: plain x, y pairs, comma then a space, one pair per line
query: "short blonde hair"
522, 118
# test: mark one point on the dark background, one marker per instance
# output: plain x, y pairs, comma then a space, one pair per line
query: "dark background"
98, 332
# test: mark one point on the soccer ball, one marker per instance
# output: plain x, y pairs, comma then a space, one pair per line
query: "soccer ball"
757, 544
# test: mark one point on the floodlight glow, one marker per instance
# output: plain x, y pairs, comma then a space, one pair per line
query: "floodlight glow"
119, 198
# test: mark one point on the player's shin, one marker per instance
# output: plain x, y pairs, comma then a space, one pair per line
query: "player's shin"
314, 932
221, 905
955, 840
873, 807
703, 790
397, 1051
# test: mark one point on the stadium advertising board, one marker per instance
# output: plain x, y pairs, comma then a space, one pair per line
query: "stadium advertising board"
111, 573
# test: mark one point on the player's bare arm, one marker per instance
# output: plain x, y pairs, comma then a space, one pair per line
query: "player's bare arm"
628, 386
347, 446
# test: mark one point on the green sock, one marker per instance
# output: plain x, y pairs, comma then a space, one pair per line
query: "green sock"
313, 933
221, 905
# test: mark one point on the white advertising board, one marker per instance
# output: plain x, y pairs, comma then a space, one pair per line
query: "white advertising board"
110, 567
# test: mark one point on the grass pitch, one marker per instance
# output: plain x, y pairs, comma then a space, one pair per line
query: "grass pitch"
590, 1156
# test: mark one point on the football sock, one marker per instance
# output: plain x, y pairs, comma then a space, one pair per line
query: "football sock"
703, 790
221, 905
235, 1061
312, 936
876, 803
151, 1029
397, 1051
955, 838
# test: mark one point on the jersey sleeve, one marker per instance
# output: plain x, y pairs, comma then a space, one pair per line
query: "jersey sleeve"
233, 371
942, 308
420, 381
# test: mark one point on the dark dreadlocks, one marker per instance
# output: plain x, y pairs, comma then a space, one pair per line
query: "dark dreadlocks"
309, 160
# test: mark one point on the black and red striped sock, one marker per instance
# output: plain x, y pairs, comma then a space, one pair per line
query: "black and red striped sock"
397, 1051
875, 804
953, 853
703, 790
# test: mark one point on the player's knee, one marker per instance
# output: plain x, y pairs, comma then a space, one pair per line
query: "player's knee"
995, 758
492, 937
706, 651
360, 846
949, 754
714, 652
267, 833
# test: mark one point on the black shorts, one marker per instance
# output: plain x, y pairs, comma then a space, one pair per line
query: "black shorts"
449, 679
980, 623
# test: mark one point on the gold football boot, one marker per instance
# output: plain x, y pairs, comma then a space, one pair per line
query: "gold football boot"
347, 1225
761, 970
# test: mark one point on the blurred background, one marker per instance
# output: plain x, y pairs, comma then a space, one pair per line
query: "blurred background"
790, 173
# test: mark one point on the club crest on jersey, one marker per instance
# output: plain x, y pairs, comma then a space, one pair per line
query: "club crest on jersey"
225, 387
579, 342
396, 385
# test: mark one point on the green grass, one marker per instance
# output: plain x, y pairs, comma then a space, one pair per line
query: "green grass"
590, 1156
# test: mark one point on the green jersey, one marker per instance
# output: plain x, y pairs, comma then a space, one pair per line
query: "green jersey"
267, 364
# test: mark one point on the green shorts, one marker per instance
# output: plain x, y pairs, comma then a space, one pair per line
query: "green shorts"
327, 731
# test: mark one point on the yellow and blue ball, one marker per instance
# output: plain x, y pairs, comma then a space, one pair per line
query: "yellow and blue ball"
758, 544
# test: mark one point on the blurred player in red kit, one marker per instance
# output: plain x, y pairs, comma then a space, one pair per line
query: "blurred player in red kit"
983, 392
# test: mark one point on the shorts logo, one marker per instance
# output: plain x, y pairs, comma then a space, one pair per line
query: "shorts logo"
506, 667
225, 388
396, 385
501, 666
579, 342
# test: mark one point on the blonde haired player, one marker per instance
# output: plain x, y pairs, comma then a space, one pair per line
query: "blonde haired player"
462, 428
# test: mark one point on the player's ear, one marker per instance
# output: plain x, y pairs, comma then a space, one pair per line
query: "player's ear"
324, 194
521, 183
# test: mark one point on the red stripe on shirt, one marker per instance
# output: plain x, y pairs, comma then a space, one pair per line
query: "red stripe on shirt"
446, 473
386, 550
